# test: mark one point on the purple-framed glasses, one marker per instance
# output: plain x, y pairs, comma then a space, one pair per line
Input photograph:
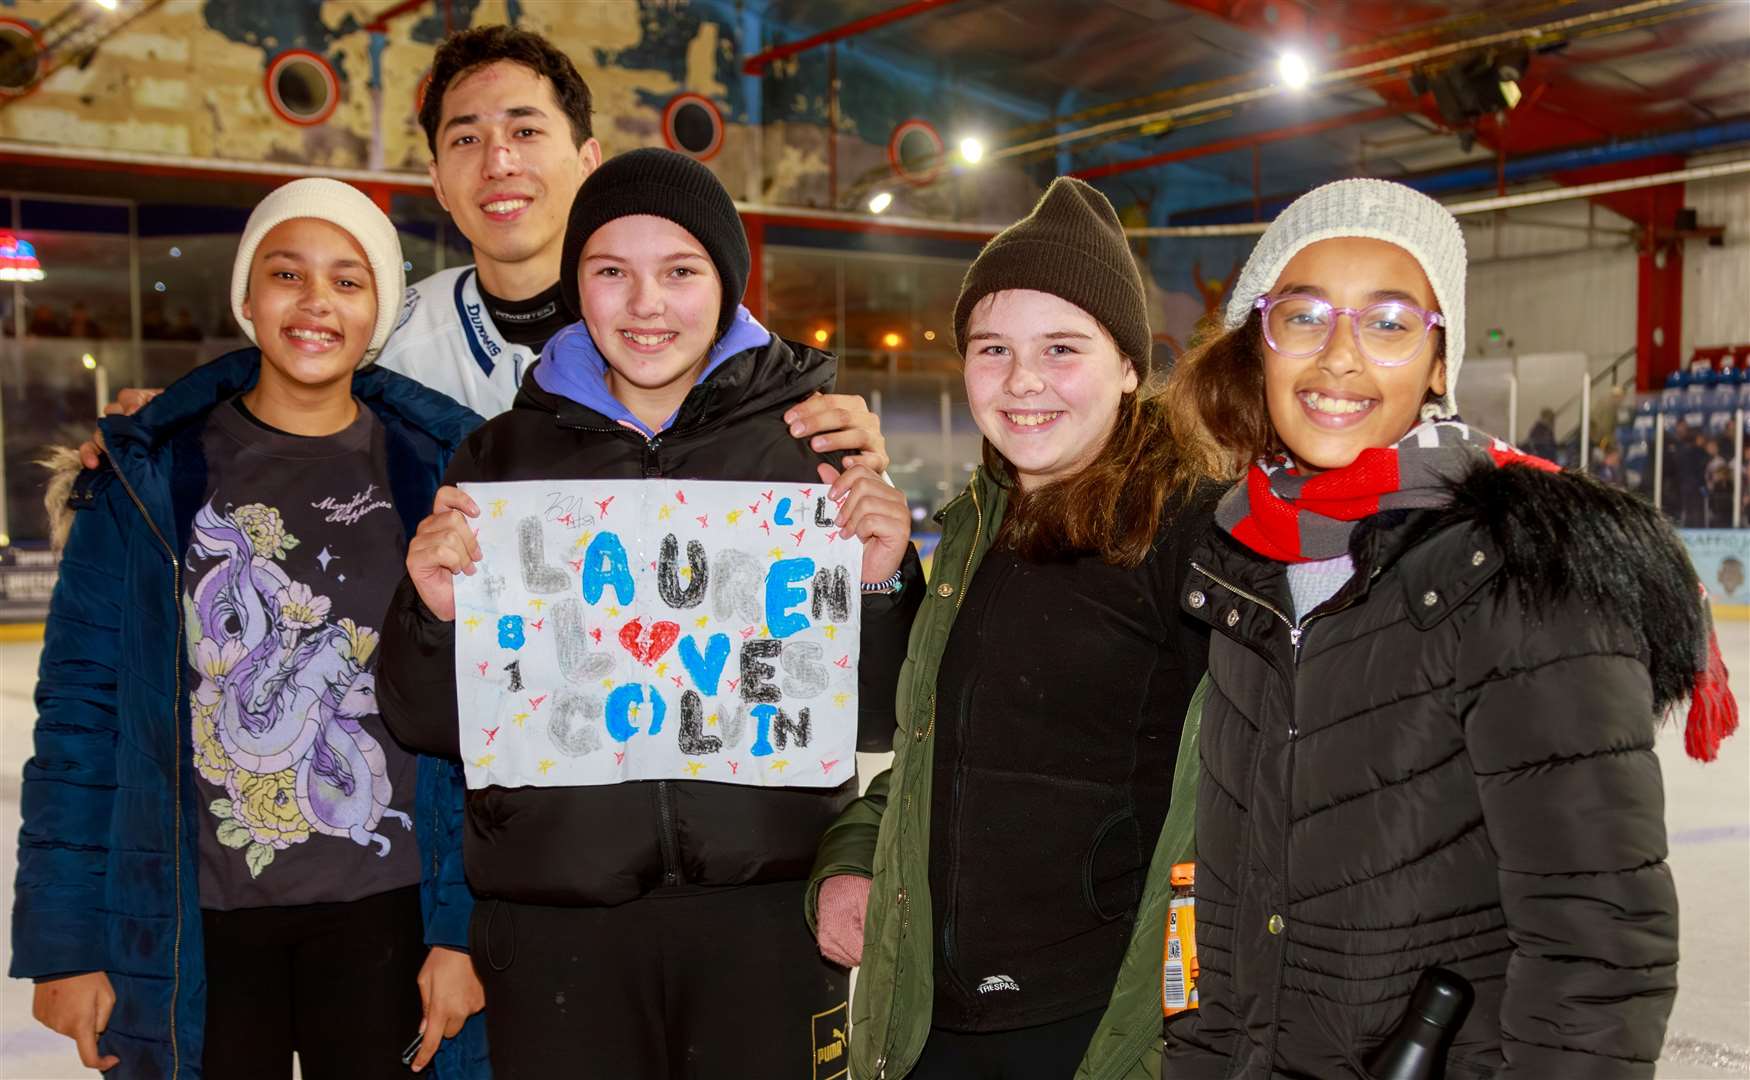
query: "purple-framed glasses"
1388, 334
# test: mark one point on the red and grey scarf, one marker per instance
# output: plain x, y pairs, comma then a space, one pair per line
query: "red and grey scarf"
1289, 517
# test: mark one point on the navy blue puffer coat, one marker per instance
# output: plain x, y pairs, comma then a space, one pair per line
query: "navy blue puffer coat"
107, 876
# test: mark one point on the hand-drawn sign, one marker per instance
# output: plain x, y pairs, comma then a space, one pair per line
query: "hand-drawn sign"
658, 629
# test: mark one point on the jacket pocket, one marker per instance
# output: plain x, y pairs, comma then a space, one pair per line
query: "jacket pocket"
1112, 871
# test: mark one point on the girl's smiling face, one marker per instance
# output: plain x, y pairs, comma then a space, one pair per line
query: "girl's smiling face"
1328, 407
1043, 379
650, 296
313, 302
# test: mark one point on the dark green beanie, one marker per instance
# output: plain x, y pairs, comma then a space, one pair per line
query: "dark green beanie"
1070, 246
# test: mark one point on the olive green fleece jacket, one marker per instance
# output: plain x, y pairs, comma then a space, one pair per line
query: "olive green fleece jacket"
890, 1014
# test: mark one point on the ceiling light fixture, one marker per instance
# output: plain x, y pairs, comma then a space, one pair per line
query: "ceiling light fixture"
1296, 73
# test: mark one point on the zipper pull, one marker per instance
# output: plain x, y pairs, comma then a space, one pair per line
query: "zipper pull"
1294, 638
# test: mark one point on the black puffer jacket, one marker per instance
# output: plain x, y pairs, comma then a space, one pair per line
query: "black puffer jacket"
547, 845
1451, 763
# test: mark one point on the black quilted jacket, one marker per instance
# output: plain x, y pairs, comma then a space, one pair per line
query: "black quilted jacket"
1451, 763
548, 845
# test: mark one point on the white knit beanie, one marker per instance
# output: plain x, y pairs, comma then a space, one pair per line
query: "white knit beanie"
1376, 210
338, 204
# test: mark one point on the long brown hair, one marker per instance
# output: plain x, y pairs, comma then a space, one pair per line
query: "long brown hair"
1217, 391
1114, 508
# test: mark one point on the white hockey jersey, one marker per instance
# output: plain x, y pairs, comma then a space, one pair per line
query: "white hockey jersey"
446, 340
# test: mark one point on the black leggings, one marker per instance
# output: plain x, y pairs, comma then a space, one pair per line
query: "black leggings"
335, 983
719, 985
1042, 1052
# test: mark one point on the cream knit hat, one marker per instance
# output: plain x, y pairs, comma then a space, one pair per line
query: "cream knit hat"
350, 209
1376, 210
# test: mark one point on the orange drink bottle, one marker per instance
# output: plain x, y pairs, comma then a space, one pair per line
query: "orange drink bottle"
1179, 965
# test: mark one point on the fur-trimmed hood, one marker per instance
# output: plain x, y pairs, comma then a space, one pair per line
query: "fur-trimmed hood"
62, 462
1564, 535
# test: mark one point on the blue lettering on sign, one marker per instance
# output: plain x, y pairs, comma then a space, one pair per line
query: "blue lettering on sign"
706, 669
479, 322
510, 632
781, 514
782, 594
762, 743
619, 711
605, 564
621, 699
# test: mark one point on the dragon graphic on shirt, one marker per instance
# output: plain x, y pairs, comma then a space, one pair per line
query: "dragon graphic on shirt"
282, 690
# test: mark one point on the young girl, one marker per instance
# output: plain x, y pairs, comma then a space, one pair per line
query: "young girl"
1045, 688
1436, 670
222, 848
649, 929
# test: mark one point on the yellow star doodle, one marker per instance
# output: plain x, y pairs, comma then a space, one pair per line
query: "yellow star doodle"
695, 767
780, 765
776, 553
537, 603
546, 763
472, 622
519, 718
702, 620
733, 516
840, 699
662, 668
831, 632
711, 721
582, 539
498, 506
608, 684
481, 763
613, 611
663, 512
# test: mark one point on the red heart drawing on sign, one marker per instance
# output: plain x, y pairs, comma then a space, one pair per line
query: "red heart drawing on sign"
647, 648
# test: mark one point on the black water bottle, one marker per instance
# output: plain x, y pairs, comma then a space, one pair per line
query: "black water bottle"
1416, 1049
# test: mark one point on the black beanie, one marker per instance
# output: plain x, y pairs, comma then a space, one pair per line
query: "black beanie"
664, 184
1070, 246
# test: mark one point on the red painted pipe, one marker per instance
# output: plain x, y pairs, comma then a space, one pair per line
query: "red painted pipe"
379, 22
1241, 142
756, 64
754, 297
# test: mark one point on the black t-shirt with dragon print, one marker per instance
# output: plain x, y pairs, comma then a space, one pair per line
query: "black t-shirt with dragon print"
291, 563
